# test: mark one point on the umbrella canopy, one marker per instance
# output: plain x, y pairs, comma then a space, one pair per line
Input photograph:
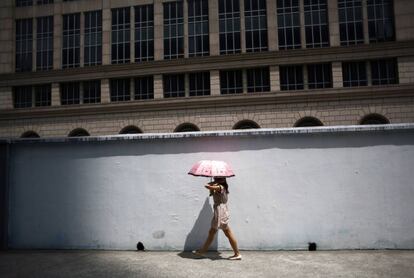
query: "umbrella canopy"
211, 168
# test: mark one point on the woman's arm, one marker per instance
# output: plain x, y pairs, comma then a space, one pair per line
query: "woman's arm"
212, 186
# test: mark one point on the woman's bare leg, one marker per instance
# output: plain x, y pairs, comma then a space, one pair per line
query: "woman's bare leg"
229, 234
209, 240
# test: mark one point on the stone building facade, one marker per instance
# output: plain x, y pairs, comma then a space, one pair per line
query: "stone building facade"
102, 67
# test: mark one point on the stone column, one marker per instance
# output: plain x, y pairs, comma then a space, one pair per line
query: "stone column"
214, 82
34, 46
337, 81
271, 25
242, 28
7, 37
55, 94
132, 35
213, 25
6, 98
365, 21
244, 80
302, 24
305, 77
82, 40
105, 91
187, 84
158, 30
106, 33
274, 78
369, 75
185, 13
333, 21
158, 91
131, 89
57, 35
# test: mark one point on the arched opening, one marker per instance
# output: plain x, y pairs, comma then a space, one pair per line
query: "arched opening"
374, 119
131, 129
246, 124
308, 121
30, 134
78, 132
186, 127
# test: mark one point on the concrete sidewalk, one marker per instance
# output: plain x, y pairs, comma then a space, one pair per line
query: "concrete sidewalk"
74, 263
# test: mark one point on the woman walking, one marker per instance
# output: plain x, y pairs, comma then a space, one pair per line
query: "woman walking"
219, 190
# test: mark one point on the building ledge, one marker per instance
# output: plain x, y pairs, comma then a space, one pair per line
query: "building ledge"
220, 133
206, 102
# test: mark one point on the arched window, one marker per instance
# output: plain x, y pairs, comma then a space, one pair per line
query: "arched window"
246, 124
78, 132
308, 121
30, 134
186, 127
374, 119
131, 129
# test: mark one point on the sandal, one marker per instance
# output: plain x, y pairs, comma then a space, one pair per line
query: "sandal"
234, 258
198, 254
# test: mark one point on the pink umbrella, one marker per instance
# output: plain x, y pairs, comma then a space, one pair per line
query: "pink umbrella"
211, 168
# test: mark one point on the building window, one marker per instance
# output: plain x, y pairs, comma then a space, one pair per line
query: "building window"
288, 24
350, 22
24, 44
173, 85
93, 38
231, 82
70, 93
144, 87
144, 33
78, 132
43, 95
199, 83
186, 127
44, 43
354, 74
22, 97
229, 26
380, 20
30, 134
23, 3
71, 41
307, 122
258, 80
320, 76
198, 40
384, 72
130, 130
374, 119
316, 23
291, 78
120, 52
256, 25
92, 91
246, 124
120, 90
43, 2
173, 30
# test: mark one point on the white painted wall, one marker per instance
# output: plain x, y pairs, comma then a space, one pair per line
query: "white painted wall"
338, 189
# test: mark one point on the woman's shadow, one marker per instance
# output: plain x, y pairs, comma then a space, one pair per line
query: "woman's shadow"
198, 234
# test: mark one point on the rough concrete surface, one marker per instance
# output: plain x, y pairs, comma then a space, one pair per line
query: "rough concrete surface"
73, 263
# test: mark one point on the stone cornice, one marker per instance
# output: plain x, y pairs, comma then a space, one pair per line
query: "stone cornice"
299, 131
337, 94
244, 60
